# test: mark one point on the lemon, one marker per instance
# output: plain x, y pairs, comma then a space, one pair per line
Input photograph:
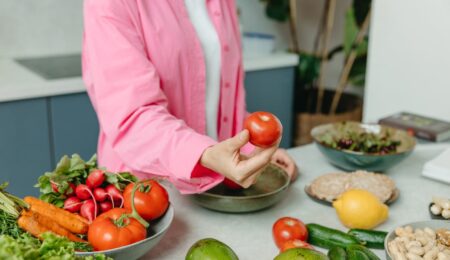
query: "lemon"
358, 208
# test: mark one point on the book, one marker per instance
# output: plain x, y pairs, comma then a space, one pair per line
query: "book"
422, 127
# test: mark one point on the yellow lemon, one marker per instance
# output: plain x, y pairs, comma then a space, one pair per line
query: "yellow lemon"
358, 208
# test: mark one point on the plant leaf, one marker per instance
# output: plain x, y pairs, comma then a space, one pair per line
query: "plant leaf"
278, 10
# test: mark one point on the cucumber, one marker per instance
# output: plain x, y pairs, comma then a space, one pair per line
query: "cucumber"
363, 249
357, 255
328, 238
337, 253
373, 238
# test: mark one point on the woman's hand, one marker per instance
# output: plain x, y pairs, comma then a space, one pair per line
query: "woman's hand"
285, 161
225, 158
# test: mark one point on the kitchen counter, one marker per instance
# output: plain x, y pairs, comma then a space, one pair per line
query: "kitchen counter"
17, 82
250, 235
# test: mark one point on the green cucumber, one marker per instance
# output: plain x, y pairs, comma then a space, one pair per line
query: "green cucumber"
363, 249
328, 238
373, 238
357, 255
337, 253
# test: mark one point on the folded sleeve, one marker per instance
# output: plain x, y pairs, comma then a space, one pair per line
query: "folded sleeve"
132, 108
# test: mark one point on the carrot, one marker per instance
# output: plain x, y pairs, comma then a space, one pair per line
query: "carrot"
74, 223
37, 224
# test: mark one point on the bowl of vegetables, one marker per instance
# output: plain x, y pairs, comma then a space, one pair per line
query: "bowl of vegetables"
353, 146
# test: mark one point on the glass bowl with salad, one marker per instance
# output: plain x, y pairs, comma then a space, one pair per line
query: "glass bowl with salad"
354, 146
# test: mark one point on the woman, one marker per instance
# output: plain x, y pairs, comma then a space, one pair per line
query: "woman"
165, 78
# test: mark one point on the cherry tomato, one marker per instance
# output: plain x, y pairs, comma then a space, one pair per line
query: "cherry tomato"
264, 128
295, 244
151, 199
288, 228
111, 230
231, 184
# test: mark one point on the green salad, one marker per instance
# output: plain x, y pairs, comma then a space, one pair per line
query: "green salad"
26, 247
362, 142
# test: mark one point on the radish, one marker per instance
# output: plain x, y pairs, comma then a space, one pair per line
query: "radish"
100, 194
114, 193
95, 178
89, 210
73, 204
69, 191
83, 192
105, 206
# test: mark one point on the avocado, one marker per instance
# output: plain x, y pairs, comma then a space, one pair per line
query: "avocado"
210, 249
301, 254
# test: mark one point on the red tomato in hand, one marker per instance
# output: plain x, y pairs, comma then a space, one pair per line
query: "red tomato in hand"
287, 228
264, 128
295, 244
231, 184
151, 199
109, 231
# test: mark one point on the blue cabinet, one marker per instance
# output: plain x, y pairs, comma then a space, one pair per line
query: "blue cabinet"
25, 144
273, 91
74, 126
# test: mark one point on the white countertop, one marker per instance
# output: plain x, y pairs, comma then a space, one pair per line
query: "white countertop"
250, 235
17, 82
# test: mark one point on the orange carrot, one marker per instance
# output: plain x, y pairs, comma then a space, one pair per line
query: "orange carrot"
37, 224
74, 223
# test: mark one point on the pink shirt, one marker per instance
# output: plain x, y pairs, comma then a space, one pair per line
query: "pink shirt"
144, 70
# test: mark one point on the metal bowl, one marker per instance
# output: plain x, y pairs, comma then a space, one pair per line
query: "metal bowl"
270, 188
433, 224
350, 160
155, 232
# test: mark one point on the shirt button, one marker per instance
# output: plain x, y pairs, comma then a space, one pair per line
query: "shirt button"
225, 119
227, 84
226, 48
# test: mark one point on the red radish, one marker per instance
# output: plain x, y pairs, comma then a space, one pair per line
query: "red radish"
83, 192
72, 204
100, 194
95, 178
89, 210
105, 206
114, 193
69, 191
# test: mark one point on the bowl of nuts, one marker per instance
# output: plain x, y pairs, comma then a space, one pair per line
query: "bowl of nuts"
428, 240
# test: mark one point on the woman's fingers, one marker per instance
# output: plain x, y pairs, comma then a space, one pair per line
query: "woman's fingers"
283, 160
236, 142
254, 164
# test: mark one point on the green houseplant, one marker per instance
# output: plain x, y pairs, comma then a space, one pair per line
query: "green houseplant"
314, 104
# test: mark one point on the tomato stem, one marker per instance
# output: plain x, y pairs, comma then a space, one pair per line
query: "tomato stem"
134, 212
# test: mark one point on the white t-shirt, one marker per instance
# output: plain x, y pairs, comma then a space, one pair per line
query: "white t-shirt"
207, 34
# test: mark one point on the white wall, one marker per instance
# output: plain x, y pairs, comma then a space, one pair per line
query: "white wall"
409, 59
29, 28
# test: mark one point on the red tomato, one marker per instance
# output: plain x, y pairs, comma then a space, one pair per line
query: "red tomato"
108, 231
231, 184
264, 128
295, 244
287, 228
151, 200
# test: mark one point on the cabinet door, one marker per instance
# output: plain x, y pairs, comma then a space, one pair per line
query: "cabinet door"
273, 91
25, 146
74, 126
